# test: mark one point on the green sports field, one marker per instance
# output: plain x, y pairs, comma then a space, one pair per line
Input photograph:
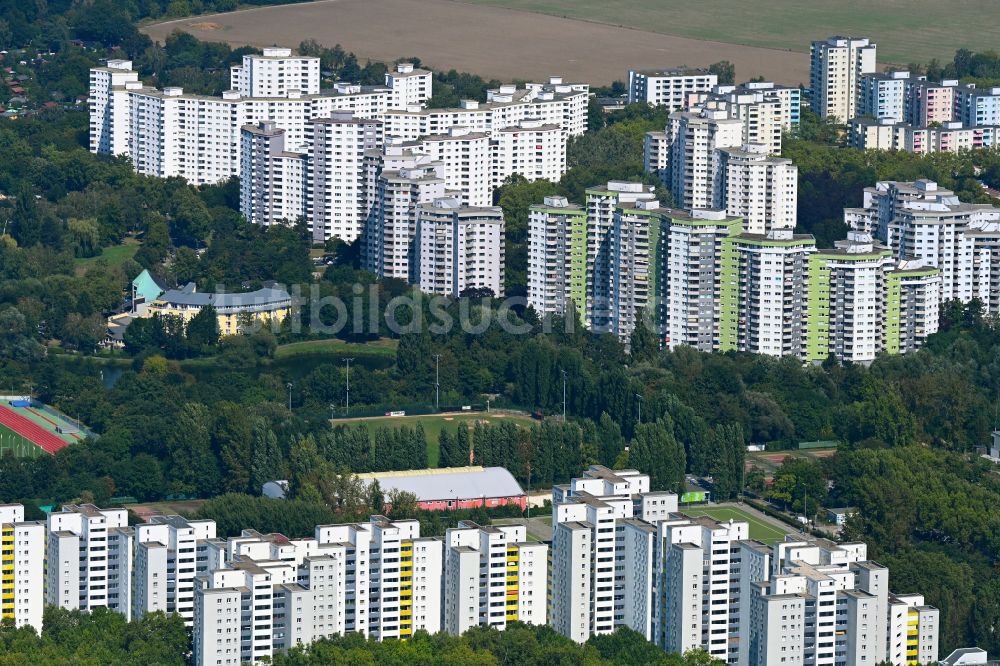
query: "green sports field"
13, 444
759, 529
905, 30
433, 425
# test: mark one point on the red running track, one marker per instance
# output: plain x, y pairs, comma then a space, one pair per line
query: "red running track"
30, 430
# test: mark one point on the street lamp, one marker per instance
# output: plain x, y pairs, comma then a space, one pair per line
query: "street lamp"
639, 396
347, 409
564, 395
437, 382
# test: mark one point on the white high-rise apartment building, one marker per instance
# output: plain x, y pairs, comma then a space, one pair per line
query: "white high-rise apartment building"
466, 157
166, 565
693, 272
275, 72
377, 578
601, 204
918, 290
763, 292
398, 181
337, 174
602, 560
913, 630
848, 294
107, 101
761, 189
697, 587
883, 96
409, 86
838, 64
670, 88
323, 184
459, 248
531, 149
22, 568
492, 576
170, 133
555, 102
88, 561
245, 612
557, 257
921, 221
760, 104
695, 165
635, 281
403, 576
274, 183
819, 603
656, 155
763, 114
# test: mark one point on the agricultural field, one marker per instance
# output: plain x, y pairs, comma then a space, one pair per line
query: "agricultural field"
493, 41
760, 528
433, 424
905, 30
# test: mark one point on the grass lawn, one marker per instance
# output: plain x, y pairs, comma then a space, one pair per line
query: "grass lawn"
116, 255
11, 442
433, 425
383, 347
759, 529
914, 30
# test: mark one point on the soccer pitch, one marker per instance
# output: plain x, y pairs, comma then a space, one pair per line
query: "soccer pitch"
17, 446
434, 423
759, 529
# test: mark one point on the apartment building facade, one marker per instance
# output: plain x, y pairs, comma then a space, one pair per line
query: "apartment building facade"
761, 189
923, 223
22, 568
166, 565
89, 559
459, 248
557, 258
602, 201
837, 66
763, 293
883, 96
492, 576
694, 139
596, 539
669, 88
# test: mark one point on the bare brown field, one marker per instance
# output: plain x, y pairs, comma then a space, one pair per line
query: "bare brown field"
494, 42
